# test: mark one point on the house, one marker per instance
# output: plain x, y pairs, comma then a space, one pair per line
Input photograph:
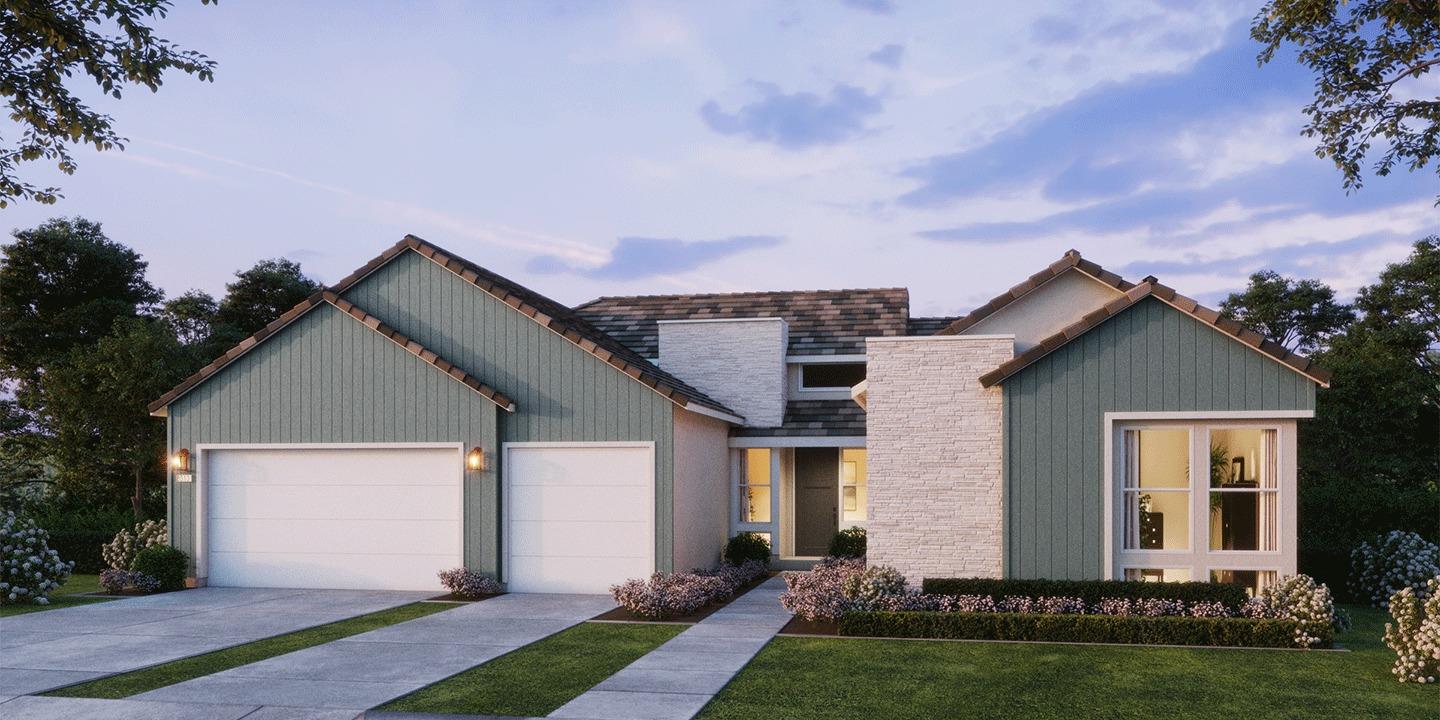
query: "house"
425, 413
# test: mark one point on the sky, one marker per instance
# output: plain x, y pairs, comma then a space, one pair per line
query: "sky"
588, 149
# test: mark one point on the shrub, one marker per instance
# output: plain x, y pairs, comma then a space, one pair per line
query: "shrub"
849, 542
1092, 592
1415, 634
115, 581
1238, 632
120, 552
819, 593
667, 595
79, 534
866, 589
1391, 562
737, 576
469, 584
1307, 603
747, 546
167, 565
29, 569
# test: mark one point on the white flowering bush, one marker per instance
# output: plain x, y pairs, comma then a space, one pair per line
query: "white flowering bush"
865, 589
29, 569
1391, 562
468, 584
1301, 599
1415, 634
120, 552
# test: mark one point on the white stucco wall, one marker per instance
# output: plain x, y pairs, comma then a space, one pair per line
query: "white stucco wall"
1047, 309
739, 362
702, 489
935, 444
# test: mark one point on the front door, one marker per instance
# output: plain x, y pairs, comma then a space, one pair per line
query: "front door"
817, 489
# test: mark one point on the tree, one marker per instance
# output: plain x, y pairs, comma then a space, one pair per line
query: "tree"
259, 295
95, 406
1405, 305
63, 285
1370, 59
191, 316
45, 44
1302, 315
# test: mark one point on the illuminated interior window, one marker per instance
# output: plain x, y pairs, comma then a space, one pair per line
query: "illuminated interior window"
852, 484
755, 486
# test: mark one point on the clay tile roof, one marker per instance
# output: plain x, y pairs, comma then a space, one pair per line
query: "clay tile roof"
352, 311
1070, 261
821, 322
1151, 287
814, 418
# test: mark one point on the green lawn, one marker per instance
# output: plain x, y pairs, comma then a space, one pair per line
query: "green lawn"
854, 678
158, 676
538, 678
66, 596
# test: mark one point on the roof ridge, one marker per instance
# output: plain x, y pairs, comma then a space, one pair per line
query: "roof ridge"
1071, 260
745, 293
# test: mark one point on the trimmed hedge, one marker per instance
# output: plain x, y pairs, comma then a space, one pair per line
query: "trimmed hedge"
1091, 591
164, 563
83, 547
1233, 632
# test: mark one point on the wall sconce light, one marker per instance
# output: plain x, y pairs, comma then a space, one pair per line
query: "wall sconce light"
180, 461
475, 459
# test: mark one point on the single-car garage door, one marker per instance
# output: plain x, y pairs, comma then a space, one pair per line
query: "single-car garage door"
385, 518
580, 517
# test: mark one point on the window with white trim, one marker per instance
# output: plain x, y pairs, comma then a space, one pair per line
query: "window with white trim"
755, 486
831, 376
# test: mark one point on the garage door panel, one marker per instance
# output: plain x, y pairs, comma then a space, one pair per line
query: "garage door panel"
331, 570
582, 466
571, 575
581, 539
301, 502
575, 503
333, 535
331, 466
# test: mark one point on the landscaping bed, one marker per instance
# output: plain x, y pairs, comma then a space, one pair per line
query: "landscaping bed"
1129, 630
623, 615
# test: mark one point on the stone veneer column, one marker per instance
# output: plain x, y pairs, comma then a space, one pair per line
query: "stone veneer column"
934, 443
739, 362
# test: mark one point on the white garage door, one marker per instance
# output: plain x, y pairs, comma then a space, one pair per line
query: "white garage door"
363, 518
580, 518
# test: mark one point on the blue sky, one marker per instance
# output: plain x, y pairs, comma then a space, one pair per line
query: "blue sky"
616, 148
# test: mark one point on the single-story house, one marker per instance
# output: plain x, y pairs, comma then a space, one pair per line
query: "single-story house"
426, 413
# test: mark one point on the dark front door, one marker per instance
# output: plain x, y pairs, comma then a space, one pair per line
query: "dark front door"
817, 489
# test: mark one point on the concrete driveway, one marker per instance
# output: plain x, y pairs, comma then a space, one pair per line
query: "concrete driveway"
46, 650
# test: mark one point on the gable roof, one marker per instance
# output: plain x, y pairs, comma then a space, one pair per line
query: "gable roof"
548, 313
821, 322
1151, 287
1070, 261
351, 310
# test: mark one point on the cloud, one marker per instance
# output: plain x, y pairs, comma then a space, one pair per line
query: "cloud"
796, 121
890, 55
878, 7
1053, 29
635, 258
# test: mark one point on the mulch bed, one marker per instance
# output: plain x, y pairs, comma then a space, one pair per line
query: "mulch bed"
801, 626
452, 597
620, 614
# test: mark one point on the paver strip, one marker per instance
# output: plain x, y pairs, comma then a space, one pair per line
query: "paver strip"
55, 648
677, 679
365, 670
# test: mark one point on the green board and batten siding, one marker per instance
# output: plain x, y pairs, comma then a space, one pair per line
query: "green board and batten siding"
561, 392
1148, 358
329, 379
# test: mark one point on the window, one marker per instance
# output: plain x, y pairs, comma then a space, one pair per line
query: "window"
852, 484
831, 376
1157, 489
1158, 574
1252, 580
1244, 493
755, 484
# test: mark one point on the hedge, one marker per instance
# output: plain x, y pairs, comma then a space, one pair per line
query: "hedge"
1091, 591
82, 546
1129, 629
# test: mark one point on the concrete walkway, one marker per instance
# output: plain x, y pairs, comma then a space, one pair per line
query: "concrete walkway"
365, 670
678, 678
45, 650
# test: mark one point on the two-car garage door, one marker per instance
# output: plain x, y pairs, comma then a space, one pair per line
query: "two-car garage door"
578, 517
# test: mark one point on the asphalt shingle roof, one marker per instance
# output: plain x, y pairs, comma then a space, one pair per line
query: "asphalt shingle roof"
814, 418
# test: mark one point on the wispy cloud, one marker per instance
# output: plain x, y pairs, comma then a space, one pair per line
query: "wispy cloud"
878, 7
796, 121
890, 55
635, 258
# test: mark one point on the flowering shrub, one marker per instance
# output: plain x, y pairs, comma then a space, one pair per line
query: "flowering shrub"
819, 594
1391, 562
737, 576
29, 569
1209, 609
863, 590
666, 595
1415, 634
115, 581
468, 584
120, 552
1301, 599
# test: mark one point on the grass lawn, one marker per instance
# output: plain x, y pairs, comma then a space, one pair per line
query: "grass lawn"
66, 596
537, 679
158, 676
843, 678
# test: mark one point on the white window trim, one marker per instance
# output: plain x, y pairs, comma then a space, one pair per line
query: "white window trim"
1199, 559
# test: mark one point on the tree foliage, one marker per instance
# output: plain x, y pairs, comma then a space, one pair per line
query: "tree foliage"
1371, 59
259, 295
1302, 315
1404, 306
46, 43
191, 316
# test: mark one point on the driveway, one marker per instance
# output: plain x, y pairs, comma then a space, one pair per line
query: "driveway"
365, 670
46, 650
